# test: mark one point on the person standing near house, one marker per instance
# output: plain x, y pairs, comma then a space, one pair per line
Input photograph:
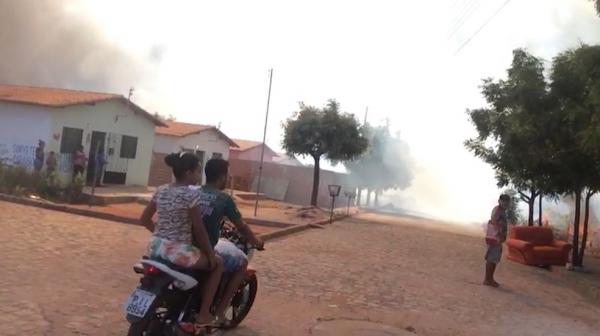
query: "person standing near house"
497, 229
38, 161
51, 163
78, 161
100, 163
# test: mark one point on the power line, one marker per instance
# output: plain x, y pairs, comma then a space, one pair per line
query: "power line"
459, 24
462, 11
482, 26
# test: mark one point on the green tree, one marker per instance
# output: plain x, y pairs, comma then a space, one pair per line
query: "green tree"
323, 132
597, 6
576, 90
513, 212
512, 129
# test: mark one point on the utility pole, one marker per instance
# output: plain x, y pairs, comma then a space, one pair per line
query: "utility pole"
366, 113
262, 152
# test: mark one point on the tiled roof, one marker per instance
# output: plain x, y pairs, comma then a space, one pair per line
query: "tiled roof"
244, 145
181, 129
55, 97
50, 96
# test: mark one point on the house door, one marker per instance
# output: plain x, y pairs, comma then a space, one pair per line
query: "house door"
98, 141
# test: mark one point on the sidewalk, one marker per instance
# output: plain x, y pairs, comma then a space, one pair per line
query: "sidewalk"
276, 219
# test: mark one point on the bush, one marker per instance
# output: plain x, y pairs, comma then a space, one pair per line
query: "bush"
51, 187
75, 189
16, 180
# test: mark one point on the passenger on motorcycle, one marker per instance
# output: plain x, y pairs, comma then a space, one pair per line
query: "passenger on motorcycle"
179, 226
216, 205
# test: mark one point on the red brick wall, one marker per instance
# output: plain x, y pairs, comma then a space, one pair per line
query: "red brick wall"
160, 173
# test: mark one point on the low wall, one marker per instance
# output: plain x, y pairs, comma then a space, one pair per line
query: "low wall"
291, 184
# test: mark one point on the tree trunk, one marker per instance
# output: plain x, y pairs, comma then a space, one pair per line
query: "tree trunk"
575, 255
376, 198
358, 194
316, 176
586, 220
531, 205
540, 211
368, 198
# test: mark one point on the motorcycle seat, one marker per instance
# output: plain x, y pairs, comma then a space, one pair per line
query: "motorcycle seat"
183, 281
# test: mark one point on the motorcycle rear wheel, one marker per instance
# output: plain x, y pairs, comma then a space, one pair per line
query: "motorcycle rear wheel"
242, 302
146, 327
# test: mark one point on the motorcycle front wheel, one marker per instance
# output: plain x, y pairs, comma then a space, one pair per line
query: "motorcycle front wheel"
242, 302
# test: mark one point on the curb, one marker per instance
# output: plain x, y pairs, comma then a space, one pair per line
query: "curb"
286, 228
264, 222
68, 209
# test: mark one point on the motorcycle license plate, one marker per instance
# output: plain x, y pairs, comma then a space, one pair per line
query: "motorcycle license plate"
139, 302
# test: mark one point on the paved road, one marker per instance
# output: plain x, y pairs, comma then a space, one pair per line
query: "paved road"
68, 275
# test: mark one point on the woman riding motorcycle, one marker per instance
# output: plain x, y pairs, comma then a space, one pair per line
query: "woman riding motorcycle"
179, 226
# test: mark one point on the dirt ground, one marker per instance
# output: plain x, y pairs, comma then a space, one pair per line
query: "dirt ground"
409, 274
369, 275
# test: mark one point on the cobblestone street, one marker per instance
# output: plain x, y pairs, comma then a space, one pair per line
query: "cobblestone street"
68, 275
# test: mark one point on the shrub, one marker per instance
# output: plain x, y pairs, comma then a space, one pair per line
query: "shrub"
16, 180
75, 189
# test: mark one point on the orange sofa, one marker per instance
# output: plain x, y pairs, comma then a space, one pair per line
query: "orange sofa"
536, 246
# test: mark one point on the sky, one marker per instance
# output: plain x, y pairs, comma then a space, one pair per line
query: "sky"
207, 62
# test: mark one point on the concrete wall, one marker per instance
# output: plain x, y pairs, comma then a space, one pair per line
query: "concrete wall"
207, 141
24, 124
299, 181
115, 118
21, 126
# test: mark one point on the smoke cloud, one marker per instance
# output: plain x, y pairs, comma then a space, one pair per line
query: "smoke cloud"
387, 166
47, 43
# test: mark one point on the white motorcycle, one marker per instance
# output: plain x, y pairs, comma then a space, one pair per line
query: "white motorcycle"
169, 294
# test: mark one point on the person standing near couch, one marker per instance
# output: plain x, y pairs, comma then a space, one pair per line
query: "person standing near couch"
497, 230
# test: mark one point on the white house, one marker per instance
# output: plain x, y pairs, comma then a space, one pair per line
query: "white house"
206, 141
67, 119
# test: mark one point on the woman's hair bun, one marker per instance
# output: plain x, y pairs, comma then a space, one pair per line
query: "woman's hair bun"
172, 159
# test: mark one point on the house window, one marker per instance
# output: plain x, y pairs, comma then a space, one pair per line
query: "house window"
128, 147
217, 156
71, 139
